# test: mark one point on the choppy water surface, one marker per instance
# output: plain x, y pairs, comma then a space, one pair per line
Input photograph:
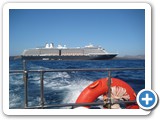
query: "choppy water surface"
65, 87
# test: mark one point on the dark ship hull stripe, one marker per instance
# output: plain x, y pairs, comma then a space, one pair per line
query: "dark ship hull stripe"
89, 57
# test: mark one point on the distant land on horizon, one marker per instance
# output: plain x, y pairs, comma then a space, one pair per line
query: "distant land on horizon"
126, 57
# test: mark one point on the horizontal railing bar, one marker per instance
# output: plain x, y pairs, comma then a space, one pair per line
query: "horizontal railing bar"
84, 69
81, 104
16, 71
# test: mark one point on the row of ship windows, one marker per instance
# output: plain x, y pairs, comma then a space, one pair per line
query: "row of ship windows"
62, 52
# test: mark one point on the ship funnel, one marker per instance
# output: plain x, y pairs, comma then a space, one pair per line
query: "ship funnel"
47, 45
51, 45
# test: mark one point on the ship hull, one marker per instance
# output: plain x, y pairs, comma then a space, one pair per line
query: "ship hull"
90, 57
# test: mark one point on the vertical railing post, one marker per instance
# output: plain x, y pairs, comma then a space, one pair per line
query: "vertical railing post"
25, 79
24, 64
109, 90
42, 88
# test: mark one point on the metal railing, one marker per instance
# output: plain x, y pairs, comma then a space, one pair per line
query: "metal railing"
42, 105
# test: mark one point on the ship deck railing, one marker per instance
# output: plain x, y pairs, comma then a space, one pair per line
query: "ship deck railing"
42, 105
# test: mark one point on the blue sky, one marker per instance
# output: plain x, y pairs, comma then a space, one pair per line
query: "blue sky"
116, 30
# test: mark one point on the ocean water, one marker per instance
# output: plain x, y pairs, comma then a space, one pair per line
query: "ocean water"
65, 87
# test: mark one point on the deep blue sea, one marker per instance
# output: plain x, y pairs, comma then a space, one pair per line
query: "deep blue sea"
65, 87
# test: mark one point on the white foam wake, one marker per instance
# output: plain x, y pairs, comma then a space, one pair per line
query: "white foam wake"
68, 88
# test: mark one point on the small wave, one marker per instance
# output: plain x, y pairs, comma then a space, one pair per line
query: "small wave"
55, 75
34, 101
34, 77
16, 80
15, 101
74, 90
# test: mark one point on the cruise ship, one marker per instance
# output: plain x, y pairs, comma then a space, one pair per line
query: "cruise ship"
49, 52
